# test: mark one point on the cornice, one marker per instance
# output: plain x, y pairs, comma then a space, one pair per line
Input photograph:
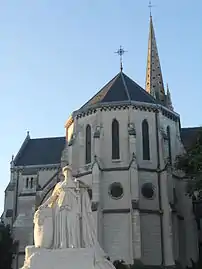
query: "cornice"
126, 105
38, 167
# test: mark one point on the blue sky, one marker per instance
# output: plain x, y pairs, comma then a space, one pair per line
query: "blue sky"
54, 55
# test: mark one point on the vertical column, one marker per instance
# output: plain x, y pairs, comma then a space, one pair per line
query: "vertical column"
191, 230
13, 183
70, 154
134, 187
96, 182
167, 222
136, 235
12, 170
81, 145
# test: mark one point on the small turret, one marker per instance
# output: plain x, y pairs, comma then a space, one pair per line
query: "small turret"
168, 99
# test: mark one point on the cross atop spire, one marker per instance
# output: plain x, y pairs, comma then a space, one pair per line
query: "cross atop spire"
120, 52
150, 6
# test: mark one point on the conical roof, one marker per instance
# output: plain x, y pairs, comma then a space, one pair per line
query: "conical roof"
120, 89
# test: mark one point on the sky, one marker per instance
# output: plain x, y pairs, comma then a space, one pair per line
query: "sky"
55, 55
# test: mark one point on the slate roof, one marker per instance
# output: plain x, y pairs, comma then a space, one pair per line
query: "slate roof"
121, 88
40, 151
189, 135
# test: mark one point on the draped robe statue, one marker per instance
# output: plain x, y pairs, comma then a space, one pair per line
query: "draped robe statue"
65, 219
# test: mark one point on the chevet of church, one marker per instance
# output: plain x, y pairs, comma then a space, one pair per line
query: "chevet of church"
108, 190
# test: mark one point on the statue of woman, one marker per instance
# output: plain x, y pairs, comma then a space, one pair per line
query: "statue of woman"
72, 221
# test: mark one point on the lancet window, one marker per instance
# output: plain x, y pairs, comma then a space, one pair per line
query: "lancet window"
115, 140
145, 140
88, 144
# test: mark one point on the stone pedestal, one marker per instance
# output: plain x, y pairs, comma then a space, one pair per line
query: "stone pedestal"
72, 258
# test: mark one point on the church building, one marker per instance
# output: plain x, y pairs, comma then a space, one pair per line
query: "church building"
123, 143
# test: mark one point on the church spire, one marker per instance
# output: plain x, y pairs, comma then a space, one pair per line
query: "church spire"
154, 78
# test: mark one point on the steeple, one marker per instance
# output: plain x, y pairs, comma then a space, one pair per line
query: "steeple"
154, 78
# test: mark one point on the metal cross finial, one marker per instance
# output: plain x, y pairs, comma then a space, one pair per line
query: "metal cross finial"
120, 52
150, 6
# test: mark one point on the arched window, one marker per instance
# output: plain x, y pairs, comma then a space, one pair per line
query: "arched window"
27, 183
115, 140
169, 145
31, 183
88, 144
145, 140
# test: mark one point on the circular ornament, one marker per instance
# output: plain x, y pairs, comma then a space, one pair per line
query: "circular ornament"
116, 190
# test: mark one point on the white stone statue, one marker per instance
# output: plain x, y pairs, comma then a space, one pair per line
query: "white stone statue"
64, 230
65, 219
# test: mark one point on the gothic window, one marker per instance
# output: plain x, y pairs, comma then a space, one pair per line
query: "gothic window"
31, 183
145, 140
115, 140
27, 183
88, 144
169, 145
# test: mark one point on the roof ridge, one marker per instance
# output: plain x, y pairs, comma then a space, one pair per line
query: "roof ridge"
105, 86
142, 90
125, 86
52, 137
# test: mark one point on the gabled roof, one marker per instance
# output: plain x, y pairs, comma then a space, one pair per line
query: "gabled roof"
40, 151
189, 135
121, 88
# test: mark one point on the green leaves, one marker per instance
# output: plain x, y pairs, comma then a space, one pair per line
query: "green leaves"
6, 247
191, 164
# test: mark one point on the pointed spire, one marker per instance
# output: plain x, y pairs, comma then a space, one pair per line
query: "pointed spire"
154, 78
12, 161
28, 135
168, 99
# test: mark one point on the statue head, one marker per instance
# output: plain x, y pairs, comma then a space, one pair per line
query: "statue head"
67, 172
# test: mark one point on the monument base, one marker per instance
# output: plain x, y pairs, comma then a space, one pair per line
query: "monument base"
71, 258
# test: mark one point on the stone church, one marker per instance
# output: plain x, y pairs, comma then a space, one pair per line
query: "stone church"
123, 143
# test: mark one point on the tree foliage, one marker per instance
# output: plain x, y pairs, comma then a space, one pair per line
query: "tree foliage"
191, 164
6, 247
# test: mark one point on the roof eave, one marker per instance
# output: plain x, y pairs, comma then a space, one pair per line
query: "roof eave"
37, 166
123, 103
